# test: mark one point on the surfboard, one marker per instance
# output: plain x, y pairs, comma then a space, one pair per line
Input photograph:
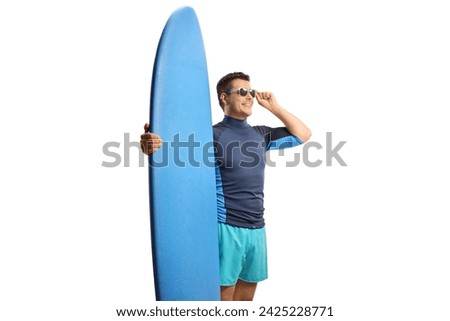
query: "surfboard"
183, 208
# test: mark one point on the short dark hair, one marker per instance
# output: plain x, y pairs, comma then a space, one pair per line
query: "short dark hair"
224, 82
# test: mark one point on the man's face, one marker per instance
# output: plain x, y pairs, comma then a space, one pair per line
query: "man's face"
238, 106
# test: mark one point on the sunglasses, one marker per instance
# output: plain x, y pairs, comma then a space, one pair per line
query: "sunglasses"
243, 91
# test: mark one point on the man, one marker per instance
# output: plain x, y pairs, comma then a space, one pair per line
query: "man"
240, 162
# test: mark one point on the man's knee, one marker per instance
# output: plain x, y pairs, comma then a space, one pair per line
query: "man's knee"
227, 293
245, 291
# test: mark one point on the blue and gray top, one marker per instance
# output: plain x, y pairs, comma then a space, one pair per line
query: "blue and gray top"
240, 162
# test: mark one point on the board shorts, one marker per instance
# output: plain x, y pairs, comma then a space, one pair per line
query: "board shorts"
243, 254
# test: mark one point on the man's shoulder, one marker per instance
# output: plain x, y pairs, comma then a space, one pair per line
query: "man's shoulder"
262, 129
218, 129
219, 126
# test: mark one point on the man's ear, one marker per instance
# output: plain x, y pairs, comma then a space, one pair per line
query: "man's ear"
224, 98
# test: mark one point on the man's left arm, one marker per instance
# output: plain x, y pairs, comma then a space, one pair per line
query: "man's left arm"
294, 125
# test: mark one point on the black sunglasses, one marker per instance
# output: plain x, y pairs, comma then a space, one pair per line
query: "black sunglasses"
243, 91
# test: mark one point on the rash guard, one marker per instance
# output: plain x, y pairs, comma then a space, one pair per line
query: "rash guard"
240, 162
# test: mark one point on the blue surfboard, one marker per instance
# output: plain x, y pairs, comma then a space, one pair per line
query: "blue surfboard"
183, 208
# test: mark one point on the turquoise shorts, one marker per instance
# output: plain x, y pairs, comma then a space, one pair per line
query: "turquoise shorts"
243, 254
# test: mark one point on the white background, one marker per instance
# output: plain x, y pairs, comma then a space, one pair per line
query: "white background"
371, 239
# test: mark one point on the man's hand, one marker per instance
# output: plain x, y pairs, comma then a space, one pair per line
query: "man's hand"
294, 125
267, 100
150, 142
